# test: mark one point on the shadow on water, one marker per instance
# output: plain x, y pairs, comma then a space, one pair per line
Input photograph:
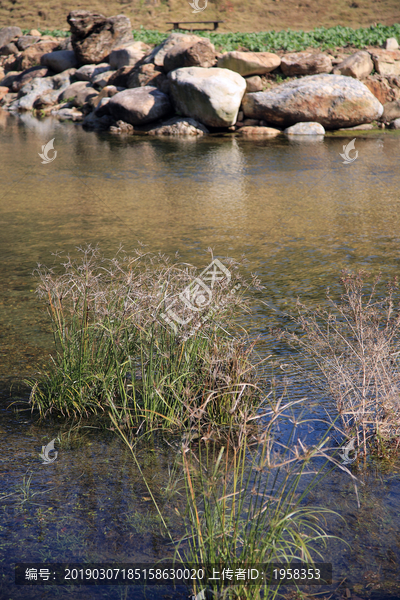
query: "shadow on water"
298, 214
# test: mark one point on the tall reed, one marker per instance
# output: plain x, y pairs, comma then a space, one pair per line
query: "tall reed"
244, 504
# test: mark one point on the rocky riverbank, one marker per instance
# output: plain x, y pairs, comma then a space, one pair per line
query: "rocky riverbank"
100, 76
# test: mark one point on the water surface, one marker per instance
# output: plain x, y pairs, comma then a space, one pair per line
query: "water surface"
297, 213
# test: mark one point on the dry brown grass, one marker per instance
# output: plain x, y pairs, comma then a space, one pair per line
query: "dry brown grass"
258, 15
355, 346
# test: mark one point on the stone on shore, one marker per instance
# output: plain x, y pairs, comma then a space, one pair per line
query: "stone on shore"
395, 124
59, 60
180, 127
25, 41
211, 96
249, 63
30, 92
391, 44
7, 34
94, 36
27, 76
306, 63
391, 111
386, 62
9, 49
128, 56
157, 55
189, 54
358, 65
305, 129
3, 91
78, 93
254, 84
148, 74
8, 80
380, 88
332, 100
139, 106
89, 72
32, 55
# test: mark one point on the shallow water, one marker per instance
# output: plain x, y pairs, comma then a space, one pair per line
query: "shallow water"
298, 214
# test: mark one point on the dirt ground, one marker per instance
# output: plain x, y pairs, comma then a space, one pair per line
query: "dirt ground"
238, 15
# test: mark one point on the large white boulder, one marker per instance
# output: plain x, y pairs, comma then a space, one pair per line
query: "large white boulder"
211, 96
334, 101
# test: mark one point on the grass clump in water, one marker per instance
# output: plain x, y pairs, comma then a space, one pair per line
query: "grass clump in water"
356, 347
243, 505
115, 352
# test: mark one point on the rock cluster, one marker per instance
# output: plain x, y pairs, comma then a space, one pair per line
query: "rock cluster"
183, 87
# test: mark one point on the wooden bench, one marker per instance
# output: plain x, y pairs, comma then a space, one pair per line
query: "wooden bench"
176, 24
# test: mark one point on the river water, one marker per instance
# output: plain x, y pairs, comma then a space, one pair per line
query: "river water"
297, 213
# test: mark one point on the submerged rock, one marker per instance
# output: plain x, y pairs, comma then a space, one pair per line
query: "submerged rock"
305, 129
180, 126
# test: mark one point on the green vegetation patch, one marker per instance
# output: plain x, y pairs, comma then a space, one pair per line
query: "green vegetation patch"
289, 40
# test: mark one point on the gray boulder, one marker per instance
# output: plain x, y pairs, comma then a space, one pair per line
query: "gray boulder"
27, 76
139, 106
94, 36
30, 92
249, 63
59, 60
128, 56
89, 72
334, 101
26, 40
395, 124
305, 129
78, 93
8, 49
63, 80
211, 96
7, 34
